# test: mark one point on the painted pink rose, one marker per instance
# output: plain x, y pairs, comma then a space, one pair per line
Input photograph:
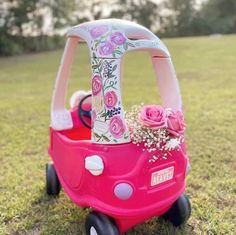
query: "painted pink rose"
110, 99
98, 31
96, 84
116, 127
105, 48
175, 123
153, 116
118, 38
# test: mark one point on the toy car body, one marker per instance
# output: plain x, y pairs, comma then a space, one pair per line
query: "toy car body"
104, 170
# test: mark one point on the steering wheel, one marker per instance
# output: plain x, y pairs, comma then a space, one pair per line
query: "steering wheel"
82, 112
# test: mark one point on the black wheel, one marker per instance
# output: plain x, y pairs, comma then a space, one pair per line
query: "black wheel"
53, 186
99, 224
180, 211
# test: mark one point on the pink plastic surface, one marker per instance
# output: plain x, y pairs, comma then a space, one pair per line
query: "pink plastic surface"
124, 163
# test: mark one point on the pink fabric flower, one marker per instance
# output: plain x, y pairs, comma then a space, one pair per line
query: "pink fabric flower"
175, 123
153, 116
105, 48
118, 38
98, 31
110, 99
96, 84
116, 127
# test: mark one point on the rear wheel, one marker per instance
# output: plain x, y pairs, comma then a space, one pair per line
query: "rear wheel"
99, 224
180, 211
53, 186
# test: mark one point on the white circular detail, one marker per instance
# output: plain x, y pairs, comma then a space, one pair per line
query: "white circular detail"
123, 191
93, 231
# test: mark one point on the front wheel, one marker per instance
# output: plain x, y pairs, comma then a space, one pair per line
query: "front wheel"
179, 212
53, 185
99, 224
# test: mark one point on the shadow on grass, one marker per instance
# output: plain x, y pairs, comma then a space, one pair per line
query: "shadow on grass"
58, 215
158, 226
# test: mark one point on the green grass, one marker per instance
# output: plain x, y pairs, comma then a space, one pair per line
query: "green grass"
206, 70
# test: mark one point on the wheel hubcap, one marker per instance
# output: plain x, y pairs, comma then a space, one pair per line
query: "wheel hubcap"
93, 231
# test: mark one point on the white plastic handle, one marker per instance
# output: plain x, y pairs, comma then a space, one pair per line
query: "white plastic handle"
60, 116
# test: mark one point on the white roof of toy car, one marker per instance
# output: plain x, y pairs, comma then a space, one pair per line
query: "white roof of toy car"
130, 29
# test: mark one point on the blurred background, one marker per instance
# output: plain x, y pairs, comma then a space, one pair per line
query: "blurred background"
200, 35
38, 25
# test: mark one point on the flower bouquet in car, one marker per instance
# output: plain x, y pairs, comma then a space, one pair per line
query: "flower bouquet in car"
156, 129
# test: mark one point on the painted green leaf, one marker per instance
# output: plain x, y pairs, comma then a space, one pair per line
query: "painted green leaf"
117, 52
125, 46
103, 114
105, 138
126, 137
114, 68
103, 37
95, 61
100, 63
96, 43
96, 135
130, 44
94, 66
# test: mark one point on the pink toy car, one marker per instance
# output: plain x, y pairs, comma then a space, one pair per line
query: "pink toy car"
127, 168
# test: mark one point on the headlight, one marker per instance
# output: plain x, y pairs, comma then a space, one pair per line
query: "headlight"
123, 191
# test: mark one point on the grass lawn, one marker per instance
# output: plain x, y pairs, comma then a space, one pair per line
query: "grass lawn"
206, 68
